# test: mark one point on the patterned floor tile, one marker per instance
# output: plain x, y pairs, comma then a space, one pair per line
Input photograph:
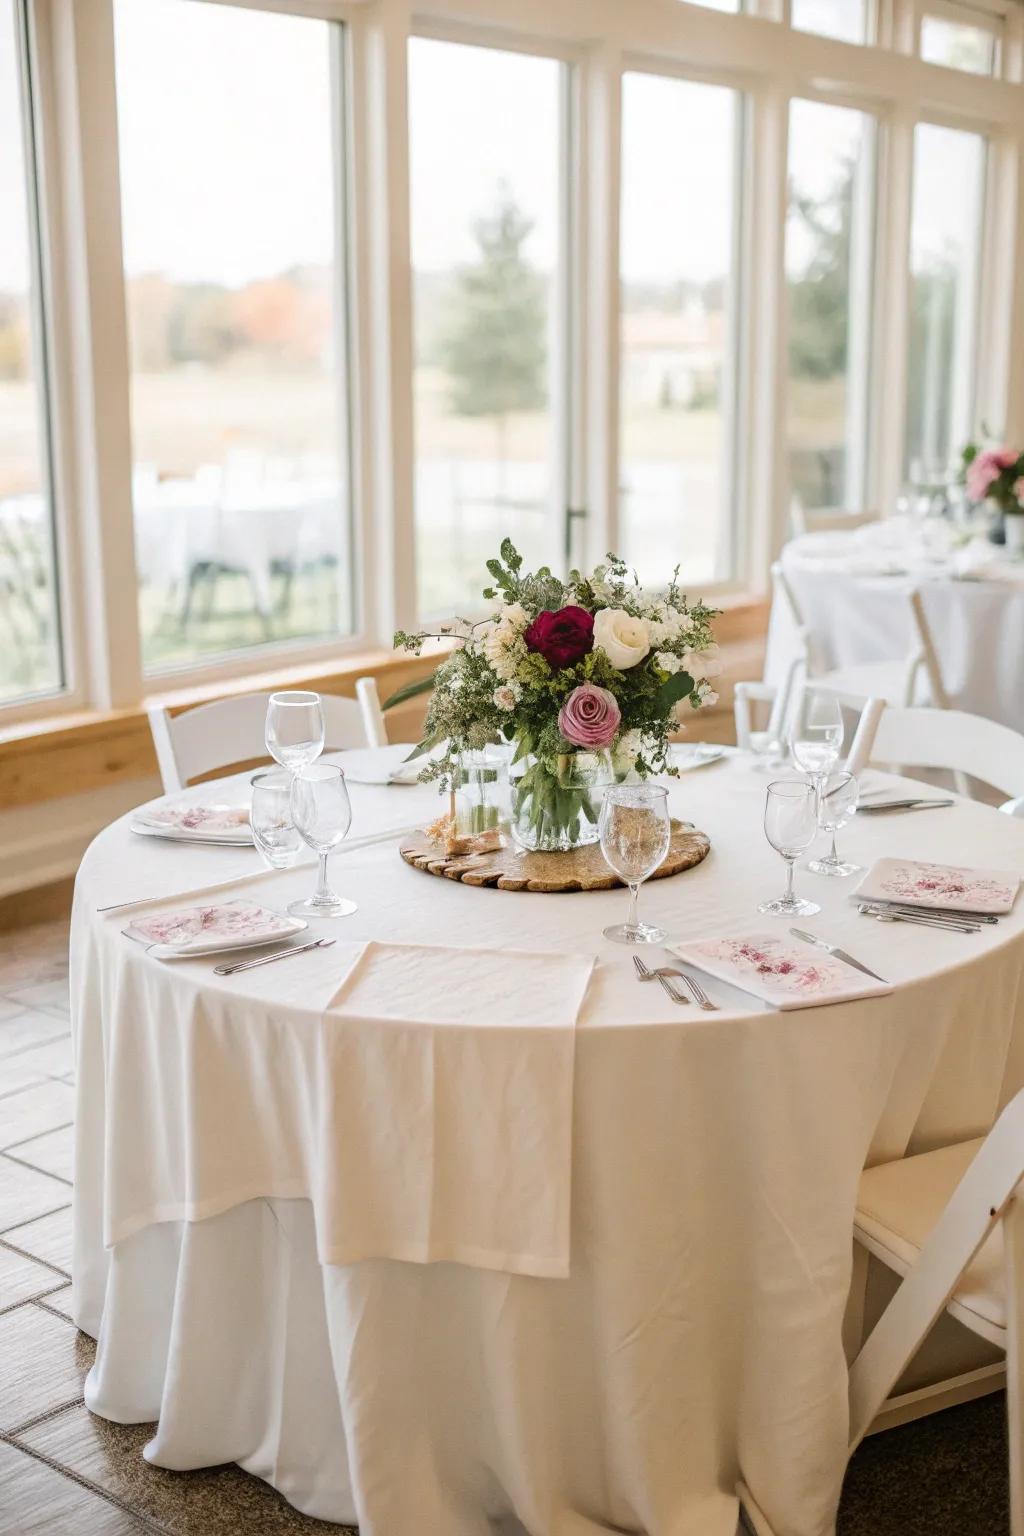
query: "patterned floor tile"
40, 1501
48, 1237
43, 1363
37, 1110
48, 996
22, 1277
52, 1153
219, 1501
25, 1030
59, 1301
26, 1194
57, 1059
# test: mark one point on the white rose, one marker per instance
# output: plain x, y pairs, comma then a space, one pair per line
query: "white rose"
705, 663
622, 638
668, 662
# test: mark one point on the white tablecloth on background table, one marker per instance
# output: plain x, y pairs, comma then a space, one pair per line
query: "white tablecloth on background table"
714, 1165
848, 586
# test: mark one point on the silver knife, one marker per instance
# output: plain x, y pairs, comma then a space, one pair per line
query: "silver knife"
951, 914
281, 954
875, 807
840, 954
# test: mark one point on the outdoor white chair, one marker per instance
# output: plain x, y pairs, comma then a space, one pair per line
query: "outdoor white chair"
952, 1223
212, 736
912, 679
804, 521
947, 739
776, 698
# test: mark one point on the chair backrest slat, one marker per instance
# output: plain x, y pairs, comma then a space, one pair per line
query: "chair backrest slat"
951, 739
232, 730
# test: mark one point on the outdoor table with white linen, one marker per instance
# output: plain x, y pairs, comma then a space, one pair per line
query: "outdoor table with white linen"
456, 1228
973, 595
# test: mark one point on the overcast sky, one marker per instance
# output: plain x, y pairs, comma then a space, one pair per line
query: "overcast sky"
226, 163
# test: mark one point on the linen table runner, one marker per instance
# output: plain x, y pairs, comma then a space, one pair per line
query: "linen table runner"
447, 1117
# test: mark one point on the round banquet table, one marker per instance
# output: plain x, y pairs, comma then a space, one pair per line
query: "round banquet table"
695, 1337
848, 584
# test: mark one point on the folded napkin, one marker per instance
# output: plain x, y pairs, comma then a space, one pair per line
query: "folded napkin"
446, 1117
913, 882
780, 971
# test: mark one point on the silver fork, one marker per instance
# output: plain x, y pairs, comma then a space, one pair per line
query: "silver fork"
646, 974
700, 997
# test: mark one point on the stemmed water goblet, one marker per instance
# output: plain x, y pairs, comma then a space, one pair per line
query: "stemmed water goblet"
322, 814
816, 737
635, 829
790, 822
837, 803
295, 728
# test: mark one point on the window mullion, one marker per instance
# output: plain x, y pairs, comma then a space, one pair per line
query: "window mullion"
892, 310
602, 174
384, 303
86, 115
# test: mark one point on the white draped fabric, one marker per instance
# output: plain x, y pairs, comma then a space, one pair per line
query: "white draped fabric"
848, 586
714, 1161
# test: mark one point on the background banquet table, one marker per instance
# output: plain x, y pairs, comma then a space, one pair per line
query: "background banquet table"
713, 1164
848, 584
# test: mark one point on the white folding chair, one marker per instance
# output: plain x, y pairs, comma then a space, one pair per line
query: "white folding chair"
901, 681
232, 730
805, 521
951, 1222
952, 740
776, 696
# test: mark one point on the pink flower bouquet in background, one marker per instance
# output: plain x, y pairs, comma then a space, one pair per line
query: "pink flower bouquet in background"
995, 474
581, 677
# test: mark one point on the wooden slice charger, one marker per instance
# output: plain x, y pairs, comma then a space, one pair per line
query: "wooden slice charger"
584, 869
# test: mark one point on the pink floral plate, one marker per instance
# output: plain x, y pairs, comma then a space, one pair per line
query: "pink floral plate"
989, 891
212, 928
780, 971
195, 823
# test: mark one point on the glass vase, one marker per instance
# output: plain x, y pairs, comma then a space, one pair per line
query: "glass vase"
556, 801
481, 792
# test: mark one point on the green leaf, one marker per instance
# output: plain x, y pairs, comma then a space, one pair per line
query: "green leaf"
410, 691
672, 690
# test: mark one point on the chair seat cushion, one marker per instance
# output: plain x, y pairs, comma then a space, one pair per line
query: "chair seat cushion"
875, 680
898, 1205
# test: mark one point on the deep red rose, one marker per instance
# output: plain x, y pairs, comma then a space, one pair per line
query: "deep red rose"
562, 638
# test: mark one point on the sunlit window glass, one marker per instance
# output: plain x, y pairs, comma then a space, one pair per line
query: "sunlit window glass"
487, 248
843, 19
30, 652
957, 45
230, 152
828, 265
949, 170
678, 343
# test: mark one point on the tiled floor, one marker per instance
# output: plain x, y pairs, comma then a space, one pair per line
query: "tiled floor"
64, 1472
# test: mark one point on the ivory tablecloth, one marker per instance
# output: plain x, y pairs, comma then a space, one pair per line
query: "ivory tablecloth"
714, 1164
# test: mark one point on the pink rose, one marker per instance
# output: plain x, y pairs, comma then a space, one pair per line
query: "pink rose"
590, 717
985, 468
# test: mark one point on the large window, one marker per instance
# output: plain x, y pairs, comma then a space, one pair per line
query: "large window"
842, 19
30, 651
966, 43
680, 192
949, 174
231, 149
488, 251
828, 265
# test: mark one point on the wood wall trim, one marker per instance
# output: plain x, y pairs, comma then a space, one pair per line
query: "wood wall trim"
69, 754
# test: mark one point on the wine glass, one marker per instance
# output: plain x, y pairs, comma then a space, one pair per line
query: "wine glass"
816, 738
295, 728
634, 827
836, 805
322, 813
270, 817
790, 822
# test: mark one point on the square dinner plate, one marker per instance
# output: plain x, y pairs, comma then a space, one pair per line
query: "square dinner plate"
916, 883
212, 928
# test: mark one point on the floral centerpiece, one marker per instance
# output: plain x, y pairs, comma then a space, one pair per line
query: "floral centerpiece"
996, 475
582, 677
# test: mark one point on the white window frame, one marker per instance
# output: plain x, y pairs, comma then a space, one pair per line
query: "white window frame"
756, 53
